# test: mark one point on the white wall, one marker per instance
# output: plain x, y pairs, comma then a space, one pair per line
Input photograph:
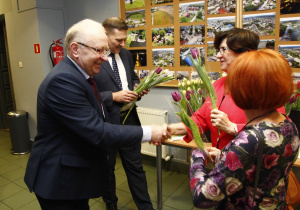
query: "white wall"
97, 10
30, 22
51, 27
22, 33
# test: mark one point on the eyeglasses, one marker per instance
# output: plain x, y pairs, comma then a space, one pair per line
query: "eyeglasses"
97, 51
222, 50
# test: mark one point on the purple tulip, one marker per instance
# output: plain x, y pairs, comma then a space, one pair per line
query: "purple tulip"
200, 92
157, 71
176, 96
195, 53
188, 95
292, 100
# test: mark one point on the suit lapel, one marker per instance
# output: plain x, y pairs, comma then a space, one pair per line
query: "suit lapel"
106, 66
93, 98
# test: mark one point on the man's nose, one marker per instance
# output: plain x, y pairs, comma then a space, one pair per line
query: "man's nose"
104, 57
122, 43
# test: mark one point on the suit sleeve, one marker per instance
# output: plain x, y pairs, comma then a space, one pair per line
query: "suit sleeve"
73, 104
107, 98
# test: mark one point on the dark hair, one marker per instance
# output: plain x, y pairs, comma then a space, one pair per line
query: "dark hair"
260, 80
114, 23
238, 40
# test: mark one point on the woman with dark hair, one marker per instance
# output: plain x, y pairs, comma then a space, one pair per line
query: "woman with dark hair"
228, 118
259, 82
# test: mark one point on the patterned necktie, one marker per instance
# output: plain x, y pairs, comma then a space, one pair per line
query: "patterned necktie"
96, 92
116, 71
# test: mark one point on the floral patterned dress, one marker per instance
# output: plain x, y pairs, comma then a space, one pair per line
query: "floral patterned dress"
230, 184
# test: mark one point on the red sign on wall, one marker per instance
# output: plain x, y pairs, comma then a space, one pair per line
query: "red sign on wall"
37, 48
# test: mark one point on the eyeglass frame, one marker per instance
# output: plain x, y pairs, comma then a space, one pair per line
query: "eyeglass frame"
96, 50
222, 50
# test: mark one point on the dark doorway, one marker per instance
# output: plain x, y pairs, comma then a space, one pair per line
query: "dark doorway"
6, 99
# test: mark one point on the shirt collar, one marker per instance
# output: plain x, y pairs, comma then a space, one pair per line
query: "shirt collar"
86, 76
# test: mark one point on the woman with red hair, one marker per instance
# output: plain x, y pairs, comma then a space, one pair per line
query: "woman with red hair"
264, 151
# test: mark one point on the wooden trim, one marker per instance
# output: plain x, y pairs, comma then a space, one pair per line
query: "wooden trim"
210, 66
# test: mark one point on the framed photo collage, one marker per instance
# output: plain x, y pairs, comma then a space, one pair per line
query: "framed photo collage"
162, 32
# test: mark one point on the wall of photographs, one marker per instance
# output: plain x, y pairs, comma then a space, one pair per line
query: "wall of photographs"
162, 32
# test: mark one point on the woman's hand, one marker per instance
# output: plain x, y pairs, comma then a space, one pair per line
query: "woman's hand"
177, 129
212, 153
220, 120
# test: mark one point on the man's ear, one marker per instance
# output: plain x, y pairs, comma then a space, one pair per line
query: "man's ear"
74, 49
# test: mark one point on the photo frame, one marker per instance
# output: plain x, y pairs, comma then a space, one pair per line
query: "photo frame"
270, 22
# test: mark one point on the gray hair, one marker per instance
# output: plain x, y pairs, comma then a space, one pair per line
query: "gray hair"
79, 32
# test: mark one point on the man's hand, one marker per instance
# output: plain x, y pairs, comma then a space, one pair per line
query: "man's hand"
144, 92
159, 134
124, 96
220, 120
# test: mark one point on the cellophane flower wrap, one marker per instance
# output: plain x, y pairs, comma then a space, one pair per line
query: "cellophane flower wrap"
294, 102
155, 77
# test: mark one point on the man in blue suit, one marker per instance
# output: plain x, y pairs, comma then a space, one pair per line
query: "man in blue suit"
114, 94
68, 164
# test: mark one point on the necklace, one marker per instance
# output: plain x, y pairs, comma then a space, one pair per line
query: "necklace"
265, 114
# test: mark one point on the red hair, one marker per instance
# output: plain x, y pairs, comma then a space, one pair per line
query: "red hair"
260, 80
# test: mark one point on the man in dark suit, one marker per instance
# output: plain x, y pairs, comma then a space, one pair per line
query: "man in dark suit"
115, 93
68, 164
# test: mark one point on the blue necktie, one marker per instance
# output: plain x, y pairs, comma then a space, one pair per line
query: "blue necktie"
116, 71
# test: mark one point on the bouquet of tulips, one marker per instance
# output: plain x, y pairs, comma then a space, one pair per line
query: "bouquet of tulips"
194, 96
200, 68
155, 77
194, 92
186, 119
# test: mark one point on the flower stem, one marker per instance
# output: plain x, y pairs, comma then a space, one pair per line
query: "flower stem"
131, 107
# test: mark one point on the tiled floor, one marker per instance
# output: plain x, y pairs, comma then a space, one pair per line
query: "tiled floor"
15, 195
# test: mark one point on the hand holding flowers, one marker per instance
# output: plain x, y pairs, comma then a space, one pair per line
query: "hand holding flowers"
205, 78
156, 77
192, 93
185, 118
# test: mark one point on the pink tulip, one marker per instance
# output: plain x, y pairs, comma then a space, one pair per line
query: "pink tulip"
195, 53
